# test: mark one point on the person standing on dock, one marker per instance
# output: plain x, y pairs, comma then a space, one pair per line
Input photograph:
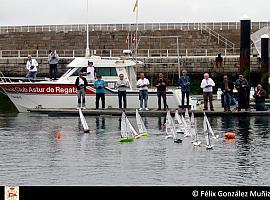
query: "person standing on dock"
242, 87
207, 85
122, 85
143, 84
184, 82
31, 66
90, 72
53, 60
161, 84
81, 84
260, 96
100, 84
227, 90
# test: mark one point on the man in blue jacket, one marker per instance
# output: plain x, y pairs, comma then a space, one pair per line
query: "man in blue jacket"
184, 82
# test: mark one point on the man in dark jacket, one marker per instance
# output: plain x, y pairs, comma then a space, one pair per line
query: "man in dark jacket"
242, 87
227, 90
81, 84
184, 82
161, 85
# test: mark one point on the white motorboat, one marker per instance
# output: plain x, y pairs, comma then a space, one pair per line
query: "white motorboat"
62, 93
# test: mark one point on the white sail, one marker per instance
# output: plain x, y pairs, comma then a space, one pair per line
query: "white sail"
206, 132
124, 128
192, 125
186, 126
131, 128
193, 129
127, 130
187, 118
179, 123
140, 124
210, 128
169, 130
83, 121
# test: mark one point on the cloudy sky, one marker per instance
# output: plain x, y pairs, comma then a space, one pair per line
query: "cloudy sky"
30, 12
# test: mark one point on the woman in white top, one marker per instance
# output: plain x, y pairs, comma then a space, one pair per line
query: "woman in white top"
207, 85
31, 66
143, 84
90, 72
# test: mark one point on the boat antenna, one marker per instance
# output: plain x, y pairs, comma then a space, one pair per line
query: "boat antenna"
87, 50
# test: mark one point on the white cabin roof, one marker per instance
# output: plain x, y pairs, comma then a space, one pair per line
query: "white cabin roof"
100, 62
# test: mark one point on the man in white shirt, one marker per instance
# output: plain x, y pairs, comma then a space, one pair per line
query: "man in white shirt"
31, 66
143, 84
207, 85
90, 72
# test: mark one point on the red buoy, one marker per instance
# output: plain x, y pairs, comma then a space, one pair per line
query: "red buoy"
230, 135
59, 135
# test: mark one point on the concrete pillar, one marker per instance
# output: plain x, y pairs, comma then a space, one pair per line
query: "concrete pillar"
265, 62
245, 46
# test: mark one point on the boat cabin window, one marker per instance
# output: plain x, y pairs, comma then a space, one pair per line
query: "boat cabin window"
106, 71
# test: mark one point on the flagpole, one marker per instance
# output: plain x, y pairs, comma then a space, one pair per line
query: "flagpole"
136, 33
87, 50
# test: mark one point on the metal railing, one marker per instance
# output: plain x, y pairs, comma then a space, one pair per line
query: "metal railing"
130, 27
219, 37
119, 52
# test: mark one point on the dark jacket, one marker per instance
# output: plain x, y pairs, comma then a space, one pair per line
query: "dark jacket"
260, 97
161, 87
184, 82
241, 84
230, 85
77, 83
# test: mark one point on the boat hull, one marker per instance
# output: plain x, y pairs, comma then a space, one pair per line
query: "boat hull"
50, 95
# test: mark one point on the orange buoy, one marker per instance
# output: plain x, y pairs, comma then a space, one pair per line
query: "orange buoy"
59, 135
230, 135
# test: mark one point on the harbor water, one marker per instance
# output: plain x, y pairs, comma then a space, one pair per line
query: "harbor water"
31, 153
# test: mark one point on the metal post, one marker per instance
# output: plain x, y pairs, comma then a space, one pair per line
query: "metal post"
178, 58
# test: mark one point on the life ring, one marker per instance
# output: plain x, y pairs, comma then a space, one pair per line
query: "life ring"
230, 135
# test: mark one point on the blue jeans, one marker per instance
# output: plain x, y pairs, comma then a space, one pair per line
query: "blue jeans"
31, 74
143, 96
227, 101
261, 106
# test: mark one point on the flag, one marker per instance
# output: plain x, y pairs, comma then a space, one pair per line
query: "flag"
135, 6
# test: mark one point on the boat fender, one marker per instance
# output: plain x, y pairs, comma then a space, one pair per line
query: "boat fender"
230, 135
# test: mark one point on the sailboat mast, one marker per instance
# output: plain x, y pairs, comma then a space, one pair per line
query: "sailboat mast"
87, 50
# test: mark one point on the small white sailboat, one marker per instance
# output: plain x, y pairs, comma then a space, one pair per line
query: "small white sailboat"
187, 118
186, 127
83, 121
193, 129
210, 128
170, 128
127, 131
179, 123
206, 132
141, 127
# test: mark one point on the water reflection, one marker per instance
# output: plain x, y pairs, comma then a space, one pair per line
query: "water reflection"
244, 128
161, 123
100, 159
100, 122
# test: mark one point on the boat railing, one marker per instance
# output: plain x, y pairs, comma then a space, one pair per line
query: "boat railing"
4, 79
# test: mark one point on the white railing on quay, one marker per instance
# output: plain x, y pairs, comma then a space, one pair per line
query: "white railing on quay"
118, 52
131, 27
